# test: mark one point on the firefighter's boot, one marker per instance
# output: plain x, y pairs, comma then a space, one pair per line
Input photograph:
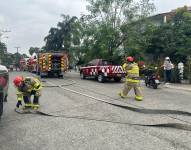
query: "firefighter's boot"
27, 108
28, 104
138, 98
121, 94
36, 103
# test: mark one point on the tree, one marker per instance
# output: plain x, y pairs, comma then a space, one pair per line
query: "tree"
53, 40
3, 49
65, 36
173, 38
33, 50
106, 26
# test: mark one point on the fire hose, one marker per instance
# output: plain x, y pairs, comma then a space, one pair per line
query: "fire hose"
162, 125
127, 107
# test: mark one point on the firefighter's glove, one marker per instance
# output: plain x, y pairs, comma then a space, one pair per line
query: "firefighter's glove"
19, 103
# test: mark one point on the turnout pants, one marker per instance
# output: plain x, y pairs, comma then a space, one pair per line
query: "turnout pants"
27, 99
137, 89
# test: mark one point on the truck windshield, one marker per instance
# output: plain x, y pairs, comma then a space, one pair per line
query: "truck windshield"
106, 62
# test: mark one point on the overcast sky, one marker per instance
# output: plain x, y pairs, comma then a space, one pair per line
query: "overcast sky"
30, 20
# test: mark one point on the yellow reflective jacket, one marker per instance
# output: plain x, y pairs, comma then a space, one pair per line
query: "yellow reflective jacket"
132, 71
30, 84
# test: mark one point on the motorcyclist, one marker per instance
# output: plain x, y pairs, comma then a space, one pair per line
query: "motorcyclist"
26, 87
132, 79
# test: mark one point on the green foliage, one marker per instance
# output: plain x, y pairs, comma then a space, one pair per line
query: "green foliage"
106, 32
3, 49
108, 27
173, 38
33, 50
64, 36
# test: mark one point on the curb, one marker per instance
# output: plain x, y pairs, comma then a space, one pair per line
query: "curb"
178, 88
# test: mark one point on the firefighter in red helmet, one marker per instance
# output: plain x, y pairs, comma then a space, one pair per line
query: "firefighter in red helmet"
132, 79
26, 87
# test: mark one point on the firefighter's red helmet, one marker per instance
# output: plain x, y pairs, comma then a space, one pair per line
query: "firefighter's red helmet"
18, 80
130, 59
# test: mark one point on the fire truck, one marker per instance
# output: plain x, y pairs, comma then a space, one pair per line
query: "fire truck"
101, 70
32, 64
23, 64
52, 64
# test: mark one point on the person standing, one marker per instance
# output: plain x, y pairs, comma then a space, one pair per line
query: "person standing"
132, 79
168, 66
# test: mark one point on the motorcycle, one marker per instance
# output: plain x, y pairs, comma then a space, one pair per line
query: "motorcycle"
152, 79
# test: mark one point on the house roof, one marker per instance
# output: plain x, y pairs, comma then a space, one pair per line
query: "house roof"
169, 14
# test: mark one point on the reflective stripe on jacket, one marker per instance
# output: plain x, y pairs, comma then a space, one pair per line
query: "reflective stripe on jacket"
132, 70
30, 84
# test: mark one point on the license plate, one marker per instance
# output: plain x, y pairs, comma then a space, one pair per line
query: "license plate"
119, 75
157, 81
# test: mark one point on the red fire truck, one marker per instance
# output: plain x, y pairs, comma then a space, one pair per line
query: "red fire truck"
23, 65
52, 64
32, 64
101, 70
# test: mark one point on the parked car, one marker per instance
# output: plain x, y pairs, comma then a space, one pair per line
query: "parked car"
101, 70
4, 82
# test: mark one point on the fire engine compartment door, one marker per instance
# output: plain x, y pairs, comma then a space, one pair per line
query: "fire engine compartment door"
56, 62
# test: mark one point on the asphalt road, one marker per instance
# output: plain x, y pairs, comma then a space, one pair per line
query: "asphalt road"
90, 124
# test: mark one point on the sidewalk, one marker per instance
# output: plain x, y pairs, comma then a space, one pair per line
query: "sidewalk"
178, 86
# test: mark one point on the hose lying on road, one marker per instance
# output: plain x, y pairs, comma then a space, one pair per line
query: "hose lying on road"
142, 109
52, 86
163, 125
139, 110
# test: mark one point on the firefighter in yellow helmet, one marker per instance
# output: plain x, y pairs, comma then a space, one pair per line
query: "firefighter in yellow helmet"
132, 79
26, 87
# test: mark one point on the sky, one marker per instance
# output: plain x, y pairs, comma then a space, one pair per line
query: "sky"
30, 20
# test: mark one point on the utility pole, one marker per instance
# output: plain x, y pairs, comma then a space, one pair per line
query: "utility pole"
17, 59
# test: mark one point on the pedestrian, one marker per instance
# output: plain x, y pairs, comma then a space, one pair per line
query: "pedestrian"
26, 87
132, 79
168, 66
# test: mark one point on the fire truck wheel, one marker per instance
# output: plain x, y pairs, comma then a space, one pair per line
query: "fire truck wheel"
82, 76
117, 79
42, 76
61, 76
101, 78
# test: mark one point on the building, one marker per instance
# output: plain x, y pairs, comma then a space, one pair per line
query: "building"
165, 17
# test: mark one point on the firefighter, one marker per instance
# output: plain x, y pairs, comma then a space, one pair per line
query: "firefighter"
26, 87
132, 79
